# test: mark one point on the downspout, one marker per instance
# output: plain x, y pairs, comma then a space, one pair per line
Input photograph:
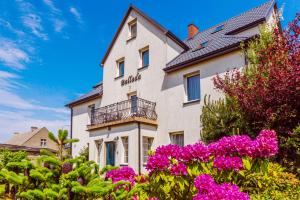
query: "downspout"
71, 131
139, 147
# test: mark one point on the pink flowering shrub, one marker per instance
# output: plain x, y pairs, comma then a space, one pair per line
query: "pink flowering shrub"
121, 174
199, 171
208, 189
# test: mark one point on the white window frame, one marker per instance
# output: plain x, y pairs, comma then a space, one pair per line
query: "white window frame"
43, 142
130, 26
186, 76
141, 51
172, 134
119, 61
125, 158
149, 147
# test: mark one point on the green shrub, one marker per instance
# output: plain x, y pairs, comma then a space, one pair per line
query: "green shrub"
221, 118
7, 156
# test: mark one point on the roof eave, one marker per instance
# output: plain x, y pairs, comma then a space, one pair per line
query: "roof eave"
81, 101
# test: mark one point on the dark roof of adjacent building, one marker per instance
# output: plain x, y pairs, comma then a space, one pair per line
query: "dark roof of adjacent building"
221, 40
34, 150
95, 93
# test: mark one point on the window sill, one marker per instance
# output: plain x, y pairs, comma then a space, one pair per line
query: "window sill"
124, 164
118, 77
132, 38
191, 102
142, 68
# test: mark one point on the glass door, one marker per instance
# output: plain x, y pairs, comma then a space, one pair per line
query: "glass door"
110, 153
134, 105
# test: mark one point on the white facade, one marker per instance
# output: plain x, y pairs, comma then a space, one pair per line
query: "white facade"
168, 90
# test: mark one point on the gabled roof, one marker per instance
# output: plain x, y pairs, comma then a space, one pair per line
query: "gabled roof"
150, 20
95, 93
22, 138
223, 40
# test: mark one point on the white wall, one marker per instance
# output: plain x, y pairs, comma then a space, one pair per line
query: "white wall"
80, 121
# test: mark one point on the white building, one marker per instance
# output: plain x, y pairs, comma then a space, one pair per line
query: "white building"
154, 84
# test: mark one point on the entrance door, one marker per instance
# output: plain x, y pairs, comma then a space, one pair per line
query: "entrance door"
110, 153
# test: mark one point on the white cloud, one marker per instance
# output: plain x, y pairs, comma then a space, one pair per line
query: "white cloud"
10, 28
76, 14
58, 25
34, 23
12, 55
20, 121
56, 16
51, 5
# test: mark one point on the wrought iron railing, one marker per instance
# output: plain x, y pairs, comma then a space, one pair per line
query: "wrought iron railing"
134, 107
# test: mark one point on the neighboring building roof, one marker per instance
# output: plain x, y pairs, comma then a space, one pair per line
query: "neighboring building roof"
153, 22
95, 93
21, 138
34, 150
222, 40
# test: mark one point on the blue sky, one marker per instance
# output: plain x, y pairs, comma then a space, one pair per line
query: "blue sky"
50, 49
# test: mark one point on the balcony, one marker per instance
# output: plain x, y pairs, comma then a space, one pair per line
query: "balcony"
132, 110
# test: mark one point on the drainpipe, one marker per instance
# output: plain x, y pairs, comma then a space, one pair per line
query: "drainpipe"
71, 127
139, 147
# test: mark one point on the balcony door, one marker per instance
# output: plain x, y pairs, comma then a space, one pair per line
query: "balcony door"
110, 153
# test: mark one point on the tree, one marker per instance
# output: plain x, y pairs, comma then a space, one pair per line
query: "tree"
268, 90
61, 141
220, 118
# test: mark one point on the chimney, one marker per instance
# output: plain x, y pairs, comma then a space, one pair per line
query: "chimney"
192, 30
33, 128
16, 133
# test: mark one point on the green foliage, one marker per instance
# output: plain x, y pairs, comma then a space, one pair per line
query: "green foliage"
7, 156
221, 118
290, 151
84, 152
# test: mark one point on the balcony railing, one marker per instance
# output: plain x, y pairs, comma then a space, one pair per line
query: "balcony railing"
134, 107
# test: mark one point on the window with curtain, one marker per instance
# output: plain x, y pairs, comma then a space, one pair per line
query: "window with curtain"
125, 146
177, 138
43, 143
147, 144
193, 87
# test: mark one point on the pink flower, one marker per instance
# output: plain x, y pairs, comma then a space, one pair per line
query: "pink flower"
157, 162
228, 163
121, 174
179, 169
209, 190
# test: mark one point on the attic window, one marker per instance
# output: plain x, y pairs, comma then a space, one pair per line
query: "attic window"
132, 29
218, 28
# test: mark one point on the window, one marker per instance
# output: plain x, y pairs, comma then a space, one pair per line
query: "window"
145, 58
177, 138
193, 87
91, 108
43, 142
201, 46
218, 28
121, 66
147, 144
132, 29
125, 146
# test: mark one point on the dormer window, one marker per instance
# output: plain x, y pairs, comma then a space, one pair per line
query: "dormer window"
201, 46
132, 29
218, 28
